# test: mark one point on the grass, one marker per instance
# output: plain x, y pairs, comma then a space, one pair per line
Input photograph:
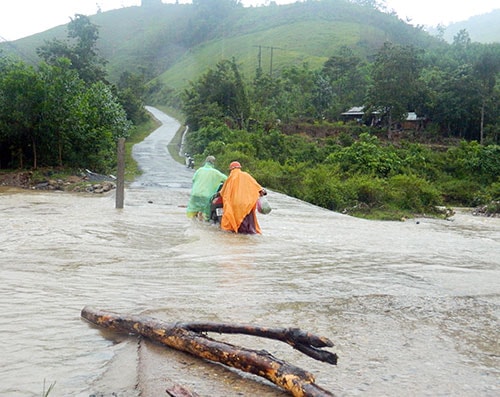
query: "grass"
45, 393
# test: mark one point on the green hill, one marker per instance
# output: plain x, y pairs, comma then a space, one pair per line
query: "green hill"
175, 43
481, 28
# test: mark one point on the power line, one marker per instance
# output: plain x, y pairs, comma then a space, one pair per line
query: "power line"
272, 48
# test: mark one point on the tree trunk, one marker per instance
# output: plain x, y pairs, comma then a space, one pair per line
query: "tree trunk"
186, 337
35, 155
481, 132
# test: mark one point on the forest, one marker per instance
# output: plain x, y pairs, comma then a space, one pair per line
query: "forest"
287, 127
289, 132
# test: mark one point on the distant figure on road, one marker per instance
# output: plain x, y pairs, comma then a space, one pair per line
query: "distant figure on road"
206, 180
239, 197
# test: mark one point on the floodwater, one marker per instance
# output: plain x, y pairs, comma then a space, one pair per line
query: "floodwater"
412, 307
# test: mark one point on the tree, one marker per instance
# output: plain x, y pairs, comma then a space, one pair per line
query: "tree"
61, 108
348, 81
131, 91
80, 49
94, 137
297, 85
208, 17
220, 94
22, 96
486, 69
394, 76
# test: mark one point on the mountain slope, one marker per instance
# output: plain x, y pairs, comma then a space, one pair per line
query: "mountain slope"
178, 42
481, 28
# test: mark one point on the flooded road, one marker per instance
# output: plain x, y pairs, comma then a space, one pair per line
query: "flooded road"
412, 307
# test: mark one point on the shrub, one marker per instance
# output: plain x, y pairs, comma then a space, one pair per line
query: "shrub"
493, 191
461, 192
322, 187
409, 192
365, 190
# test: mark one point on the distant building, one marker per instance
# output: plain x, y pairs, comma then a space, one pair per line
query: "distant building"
357, 113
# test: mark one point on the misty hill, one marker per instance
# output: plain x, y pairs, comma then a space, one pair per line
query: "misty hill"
481, 28
176, 43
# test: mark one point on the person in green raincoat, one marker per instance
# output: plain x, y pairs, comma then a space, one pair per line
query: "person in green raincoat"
206, 181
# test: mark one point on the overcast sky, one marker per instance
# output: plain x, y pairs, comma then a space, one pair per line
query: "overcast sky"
21, 18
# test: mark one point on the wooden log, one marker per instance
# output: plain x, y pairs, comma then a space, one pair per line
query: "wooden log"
179, 336
305, 342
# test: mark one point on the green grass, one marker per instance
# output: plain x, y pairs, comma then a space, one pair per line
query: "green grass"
290, 47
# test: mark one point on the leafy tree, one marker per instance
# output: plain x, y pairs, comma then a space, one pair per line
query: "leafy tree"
486, 70
22, 96
348, 81
294, 100
80, 49
131, 91
394, 76
461, 46
472, 161
208, 17
61, 108
103, 122
322, 97
366, 156
264, 95
50, 117
219, 94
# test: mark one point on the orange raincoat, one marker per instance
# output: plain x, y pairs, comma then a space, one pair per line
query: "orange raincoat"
239, 197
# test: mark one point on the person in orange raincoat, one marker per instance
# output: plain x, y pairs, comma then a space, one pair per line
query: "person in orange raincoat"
239, 194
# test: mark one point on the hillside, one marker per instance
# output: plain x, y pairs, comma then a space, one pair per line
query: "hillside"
481, 28
178, 42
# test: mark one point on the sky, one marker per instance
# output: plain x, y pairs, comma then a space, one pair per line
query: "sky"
21, 18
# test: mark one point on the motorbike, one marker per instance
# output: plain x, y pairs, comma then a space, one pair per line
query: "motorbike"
189, 161
216, 205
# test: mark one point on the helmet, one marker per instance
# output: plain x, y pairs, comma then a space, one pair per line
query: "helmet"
210, 159
234, 164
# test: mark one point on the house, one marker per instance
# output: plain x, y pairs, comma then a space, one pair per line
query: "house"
413, 122
356, 113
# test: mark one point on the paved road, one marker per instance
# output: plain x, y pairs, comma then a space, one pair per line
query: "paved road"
160, 170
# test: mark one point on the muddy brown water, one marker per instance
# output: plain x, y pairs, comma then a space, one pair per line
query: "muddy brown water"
412, 307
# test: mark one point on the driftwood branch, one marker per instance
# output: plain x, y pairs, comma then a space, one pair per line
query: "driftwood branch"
305, 342
186, 337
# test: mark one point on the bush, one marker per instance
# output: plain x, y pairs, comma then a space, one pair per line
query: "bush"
462, 192
286, 178
493, 191
366, 191
412, 193
322, 187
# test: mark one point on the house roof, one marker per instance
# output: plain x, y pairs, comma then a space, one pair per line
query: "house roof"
359, 111
354, 111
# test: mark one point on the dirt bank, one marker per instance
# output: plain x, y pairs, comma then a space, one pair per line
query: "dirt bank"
82, 181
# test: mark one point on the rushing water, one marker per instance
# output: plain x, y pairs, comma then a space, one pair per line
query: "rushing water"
412, 307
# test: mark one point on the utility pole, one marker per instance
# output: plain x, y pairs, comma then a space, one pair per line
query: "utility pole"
259, 57
272, 54
120, 177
